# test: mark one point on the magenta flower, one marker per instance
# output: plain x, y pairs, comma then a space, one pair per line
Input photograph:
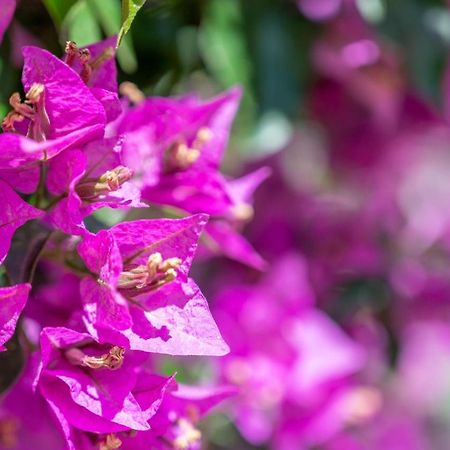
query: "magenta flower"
274, 358
140, 295
96, 66
174, 424
96, 178
59, 112
182, 141
12, 302
89, 387
225, 229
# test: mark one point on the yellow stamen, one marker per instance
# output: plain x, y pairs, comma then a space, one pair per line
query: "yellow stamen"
112, 442
180, 156
9, 428
130, 90
112, 360
150, 276
189, 435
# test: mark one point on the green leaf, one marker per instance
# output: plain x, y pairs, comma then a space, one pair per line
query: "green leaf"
108, 14
129, 11
58, 9
80, 25
222, 43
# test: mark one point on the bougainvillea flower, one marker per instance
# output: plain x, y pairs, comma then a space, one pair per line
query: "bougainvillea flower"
101, 70
12, 302
184, 143
225, 228
14, 213
95, 178
69, 104
96, 66
174, 424
274, 356
350, 53
175, 146
141, 296
59, 112
7, 8
88, 384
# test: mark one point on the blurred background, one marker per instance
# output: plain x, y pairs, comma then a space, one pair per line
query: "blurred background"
343, 343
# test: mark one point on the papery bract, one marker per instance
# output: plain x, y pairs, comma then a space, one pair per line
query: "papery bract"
143, 304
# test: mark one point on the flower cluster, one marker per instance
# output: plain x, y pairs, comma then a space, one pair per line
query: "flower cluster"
327, 326
343, 343
84, 309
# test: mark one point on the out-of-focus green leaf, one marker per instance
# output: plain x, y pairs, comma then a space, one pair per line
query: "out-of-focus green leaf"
223, 43
277, 49
80, 25
129, 10
108, 216
108, 14
58, 9
372, 10
423, 50
4, 109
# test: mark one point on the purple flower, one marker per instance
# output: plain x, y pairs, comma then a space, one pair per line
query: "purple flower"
95, 178
59, 112
225, 228
89, 387
140, 295
174, 424
274, 332
182, 142
97, 68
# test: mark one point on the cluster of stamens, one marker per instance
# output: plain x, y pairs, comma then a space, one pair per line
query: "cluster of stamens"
9, 428
111, 442
90, 189
188, 436
88, 65
130, 90
150, 276
33, 108
112, 360
180, 156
